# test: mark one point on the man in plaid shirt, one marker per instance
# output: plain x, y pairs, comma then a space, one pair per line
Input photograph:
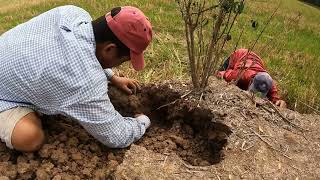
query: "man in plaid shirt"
57, 63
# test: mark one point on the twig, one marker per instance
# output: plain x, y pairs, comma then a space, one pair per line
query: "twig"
185, 8
218, 51
197, 168
174, 100
269, 20
165, 159
265, 108
291, 21
264, 135
201, 97
167, 104
295, 167
266, 142
284, 118
317, 111
186, 94
243, 68
226, 26
247, 148
277, 111
240, 36
205, 10
217, 174
212, 46
250, 96
177, 56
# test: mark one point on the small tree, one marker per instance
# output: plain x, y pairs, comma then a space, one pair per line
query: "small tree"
208, 24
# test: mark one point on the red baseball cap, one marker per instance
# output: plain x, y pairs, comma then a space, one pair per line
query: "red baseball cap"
134, 30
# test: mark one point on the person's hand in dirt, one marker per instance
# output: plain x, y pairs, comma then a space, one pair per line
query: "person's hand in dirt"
138, 114
144, 119
130, 86
281, 104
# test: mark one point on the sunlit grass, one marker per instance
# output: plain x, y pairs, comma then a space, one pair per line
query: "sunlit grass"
292, 56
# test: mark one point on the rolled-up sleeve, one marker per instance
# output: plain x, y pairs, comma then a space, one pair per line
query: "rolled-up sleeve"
103, 122
109, 73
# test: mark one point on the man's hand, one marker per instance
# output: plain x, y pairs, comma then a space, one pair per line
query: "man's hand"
220, 74
130, 86
137, 115
143, 119
281, 104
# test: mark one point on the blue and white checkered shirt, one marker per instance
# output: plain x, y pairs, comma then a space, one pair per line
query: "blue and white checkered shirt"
49, 64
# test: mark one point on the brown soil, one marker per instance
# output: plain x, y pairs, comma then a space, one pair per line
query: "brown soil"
220, 135
69, 153
185, 130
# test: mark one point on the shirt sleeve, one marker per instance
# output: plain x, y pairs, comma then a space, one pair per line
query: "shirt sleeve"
230, 75
273, 94
228, 72
102, 121
109, 73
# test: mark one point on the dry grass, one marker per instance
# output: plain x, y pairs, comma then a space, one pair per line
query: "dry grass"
14, 5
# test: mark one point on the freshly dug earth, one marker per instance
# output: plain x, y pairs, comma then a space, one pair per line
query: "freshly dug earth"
188, 131
69, 153
217, 133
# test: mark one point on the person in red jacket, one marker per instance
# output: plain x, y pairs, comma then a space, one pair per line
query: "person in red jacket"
253, 75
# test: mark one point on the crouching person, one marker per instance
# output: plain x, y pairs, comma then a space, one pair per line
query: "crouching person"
59, 63
254, 78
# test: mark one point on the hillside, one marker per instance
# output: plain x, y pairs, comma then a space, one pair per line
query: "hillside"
223, 135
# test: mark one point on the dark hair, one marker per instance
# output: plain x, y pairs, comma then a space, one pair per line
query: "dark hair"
103, 33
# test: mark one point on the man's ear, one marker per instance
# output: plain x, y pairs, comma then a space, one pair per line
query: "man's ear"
108, 47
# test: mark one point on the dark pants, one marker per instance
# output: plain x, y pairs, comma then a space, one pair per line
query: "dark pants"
225, 65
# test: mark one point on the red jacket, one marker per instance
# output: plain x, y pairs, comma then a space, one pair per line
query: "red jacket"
252, 66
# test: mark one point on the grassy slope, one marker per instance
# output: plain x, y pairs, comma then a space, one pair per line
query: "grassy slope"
292, 56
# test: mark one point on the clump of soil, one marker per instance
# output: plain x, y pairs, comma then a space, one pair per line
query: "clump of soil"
69, 153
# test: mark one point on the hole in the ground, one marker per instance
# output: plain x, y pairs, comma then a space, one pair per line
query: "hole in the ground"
182, 128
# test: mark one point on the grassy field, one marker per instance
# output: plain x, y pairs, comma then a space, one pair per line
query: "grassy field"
291, 49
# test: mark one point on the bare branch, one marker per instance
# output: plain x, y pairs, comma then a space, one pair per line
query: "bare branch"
204, 51
243, 69
226, 26
208, 9
291, 21
241, 33
213, 42
268, 22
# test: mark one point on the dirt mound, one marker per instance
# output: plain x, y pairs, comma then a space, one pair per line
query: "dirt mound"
184, 129
217, 133
265, 142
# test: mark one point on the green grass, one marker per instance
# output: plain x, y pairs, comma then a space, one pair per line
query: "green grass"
292, 56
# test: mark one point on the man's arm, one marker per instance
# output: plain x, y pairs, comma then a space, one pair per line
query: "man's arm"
102, 121
230, 75
275, 98
273, 94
